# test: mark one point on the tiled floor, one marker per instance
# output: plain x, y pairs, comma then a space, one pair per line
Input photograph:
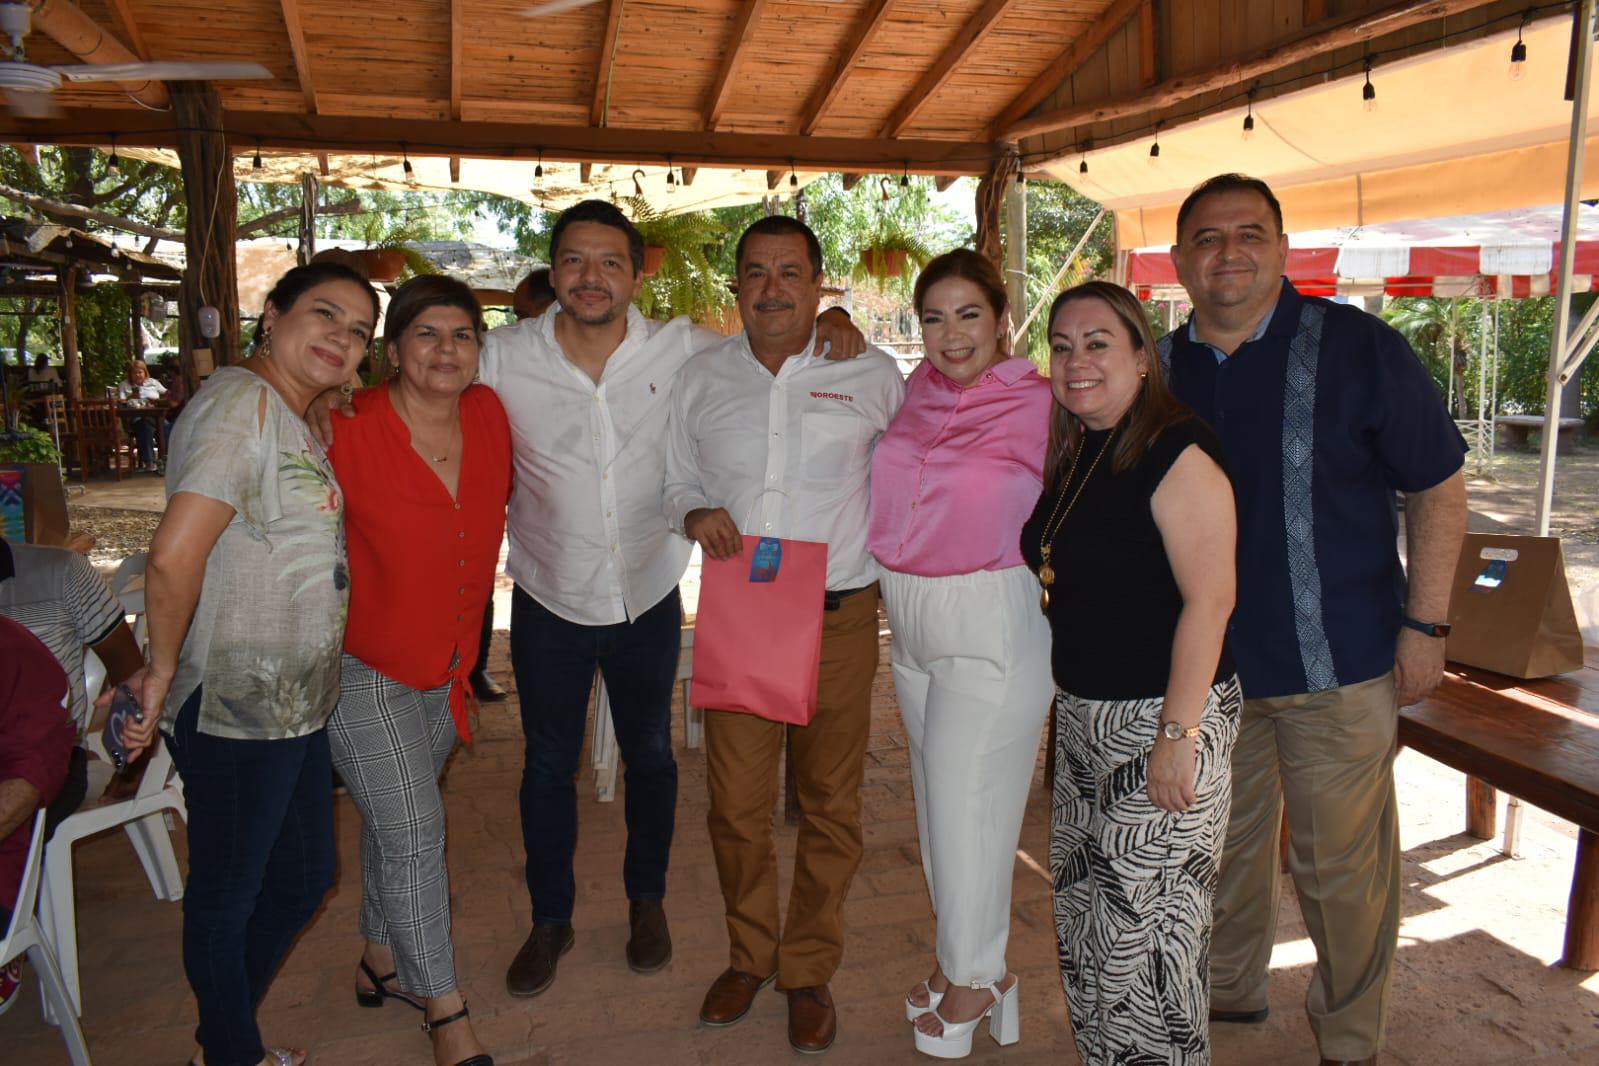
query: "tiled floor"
1474, 982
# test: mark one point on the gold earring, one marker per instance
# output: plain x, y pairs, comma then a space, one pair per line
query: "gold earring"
263, 349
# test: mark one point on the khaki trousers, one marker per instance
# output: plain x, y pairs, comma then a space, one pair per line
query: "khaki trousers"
741, 754
1329, 756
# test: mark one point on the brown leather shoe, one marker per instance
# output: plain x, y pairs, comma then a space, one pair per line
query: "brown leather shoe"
650, 946
812, 1022
533, 969
730, 996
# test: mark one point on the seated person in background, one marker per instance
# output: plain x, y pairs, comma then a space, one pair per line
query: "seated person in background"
35, 740
140, 388
57, 595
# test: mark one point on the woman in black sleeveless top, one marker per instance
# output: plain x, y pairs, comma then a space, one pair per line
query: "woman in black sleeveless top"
1133, 544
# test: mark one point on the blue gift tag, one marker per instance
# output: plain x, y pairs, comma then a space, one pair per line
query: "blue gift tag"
768, 557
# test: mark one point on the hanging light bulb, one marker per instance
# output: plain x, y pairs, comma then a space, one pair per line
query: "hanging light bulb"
1154, 147
538, 172
255, 164
1249, 117
905, 177
793, 178
405, 165
671, 182
1082, 167
1368, 92
113, 166
1518, 54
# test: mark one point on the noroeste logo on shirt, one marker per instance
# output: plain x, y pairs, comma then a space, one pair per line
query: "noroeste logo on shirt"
845, 397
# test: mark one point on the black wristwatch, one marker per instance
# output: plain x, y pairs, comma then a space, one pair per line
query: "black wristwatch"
1432, 629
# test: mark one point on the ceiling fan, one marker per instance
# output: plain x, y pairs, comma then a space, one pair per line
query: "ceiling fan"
27, 87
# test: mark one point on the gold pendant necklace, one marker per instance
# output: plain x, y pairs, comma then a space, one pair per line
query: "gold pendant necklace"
1057, 517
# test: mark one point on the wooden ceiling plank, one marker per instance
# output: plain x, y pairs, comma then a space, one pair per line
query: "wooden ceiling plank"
1085, 44
302, 58
1352, 30
749, 14
1314, 11
128, 28
875, 15
457, 66
303, 132
1148, 30
602, 75
970, 36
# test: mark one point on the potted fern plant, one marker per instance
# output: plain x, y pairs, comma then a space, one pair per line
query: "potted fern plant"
682, 280
891, 253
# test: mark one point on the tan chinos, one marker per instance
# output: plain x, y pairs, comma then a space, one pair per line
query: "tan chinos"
741, 754
1329, 757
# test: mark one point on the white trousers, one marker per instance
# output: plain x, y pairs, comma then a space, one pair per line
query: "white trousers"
972, 673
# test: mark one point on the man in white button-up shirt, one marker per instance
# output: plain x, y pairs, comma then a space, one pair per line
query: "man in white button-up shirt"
768, 438
588, 388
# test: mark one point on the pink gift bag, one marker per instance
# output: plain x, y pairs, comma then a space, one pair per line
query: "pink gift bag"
758, 643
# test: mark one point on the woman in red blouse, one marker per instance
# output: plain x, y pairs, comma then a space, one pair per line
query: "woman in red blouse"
426, 470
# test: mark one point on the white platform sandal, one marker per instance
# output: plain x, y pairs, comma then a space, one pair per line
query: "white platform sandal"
912, 1011
955, 1042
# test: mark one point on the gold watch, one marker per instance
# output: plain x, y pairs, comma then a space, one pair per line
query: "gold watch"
1175, 731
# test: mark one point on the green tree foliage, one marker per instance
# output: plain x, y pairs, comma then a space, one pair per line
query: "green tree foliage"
104, 319
1057, 218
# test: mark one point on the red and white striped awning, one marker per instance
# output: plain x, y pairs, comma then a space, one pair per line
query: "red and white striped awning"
1505, 255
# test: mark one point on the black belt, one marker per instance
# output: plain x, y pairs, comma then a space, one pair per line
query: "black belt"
833, 599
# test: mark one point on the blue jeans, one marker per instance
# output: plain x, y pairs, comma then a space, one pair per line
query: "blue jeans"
554, 661
261, 860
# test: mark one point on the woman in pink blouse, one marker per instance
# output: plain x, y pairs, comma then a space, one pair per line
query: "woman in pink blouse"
953, 480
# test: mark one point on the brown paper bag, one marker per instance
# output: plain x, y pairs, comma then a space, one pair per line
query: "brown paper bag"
1510, 607
44, 503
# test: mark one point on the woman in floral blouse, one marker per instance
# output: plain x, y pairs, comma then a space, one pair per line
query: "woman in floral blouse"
246, 591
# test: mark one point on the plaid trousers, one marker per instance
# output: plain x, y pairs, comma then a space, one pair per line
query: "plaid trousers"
389, 744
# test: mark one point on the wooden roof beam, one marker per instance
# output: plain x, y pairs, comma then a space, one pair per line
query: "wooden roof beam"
749, 14
301, 132
457, 67
122, 15
1065, 65
1148, 43
455, 169
875, 15
302, 58
599, 110
970, 36
1351, 30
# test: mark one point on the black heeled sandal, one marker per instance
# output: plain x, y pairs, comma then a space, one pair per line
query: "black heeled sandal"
379, 992
475, 1060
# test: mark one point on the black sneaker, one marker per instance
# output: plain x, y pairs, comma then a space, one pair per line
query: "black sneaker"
533, 969
650, 946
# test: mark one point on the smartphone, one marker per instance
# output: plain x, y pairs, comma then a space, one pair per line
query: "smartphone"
124, 709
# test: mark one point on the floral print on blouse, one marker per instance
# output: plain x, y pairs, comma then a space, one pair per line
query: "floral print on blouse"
267, 633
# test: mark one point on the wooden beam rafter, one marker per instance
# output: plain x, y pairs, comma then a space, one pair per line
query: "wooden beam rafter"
457, 50
970, 36
1352, 30
127, 28
302, 57
1085, 44
749, 14
875, 15
599, 109
340, 134
455, 169
1148, 56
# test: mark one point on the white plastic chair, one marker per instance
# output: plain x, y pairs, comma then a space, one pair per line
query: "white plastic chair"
604, 752
142, 816
24, 936
127, 585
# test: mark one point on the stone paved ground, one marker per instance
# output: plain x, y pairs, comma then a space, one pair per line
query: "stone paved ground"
1474, 983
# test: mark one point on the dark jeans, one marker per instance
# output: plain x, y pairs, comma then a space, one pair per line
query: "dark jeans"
554, 662
143, 429
261, 859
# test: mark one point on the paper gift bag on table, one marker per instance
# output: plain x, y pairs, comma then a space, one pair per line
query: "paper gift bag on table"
758, 643
37, 490
1510, 607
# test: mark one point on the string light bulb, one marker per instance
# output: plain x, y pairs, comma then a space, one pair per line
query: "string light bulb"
1082, 167
1368, 92
1518, 54
1154, 147
671, 182
255, 164
1249, 117
410, 171
793, 178
538, 172
113, 166
905, 177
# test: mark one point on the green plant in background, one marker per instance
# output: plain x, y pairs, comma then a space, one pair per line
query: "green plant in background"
105, 314
891, 253
35, 446
688, 283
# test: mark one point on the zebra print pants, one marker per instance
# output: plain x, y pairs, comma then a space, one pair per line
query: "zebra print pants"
1134, 883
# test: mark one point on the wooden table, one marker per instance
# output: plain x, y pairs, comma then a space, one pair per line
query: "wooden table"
128, 410
1538, 741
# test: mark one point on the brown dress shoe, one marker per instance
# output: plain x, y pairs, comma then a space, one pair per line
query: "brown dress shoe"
730, 996
533, 969
650, 946
812, 1022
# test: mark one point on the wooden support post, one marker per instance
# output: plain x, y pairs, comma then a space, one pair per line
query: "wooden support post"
1582, 912
1481, 813
67, 307
135, 327
1016, 252
212, 222
991, 209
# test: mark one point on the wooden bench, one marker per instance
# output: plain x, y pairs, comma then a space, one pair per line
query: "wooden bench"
1515, 431
1538, 741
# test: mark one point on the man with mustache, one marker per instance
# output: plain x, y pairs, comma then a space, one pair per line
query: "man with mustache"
1325, 413
770, 439
588, 387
